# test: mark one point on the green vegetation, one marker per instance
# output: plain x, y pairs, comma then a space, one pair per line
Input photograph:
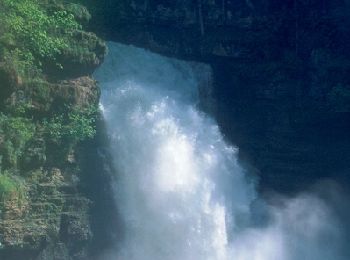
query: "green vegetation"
11, 189
35, 34
15, 133
45, 60
38, 38
76, 126
22, 61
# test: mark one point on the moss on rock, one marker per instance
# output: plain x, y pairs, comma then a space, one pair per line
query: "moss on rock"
48, 106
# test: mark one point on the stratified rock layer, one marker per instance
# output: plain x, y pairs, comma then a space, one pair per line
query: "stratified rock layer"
45, 213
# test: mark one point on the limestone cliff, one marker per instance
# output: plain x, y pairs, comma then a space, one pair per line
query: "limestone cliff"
48, 113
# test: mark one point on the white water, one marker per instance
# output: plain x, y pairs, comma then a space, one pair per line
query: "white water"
181, 193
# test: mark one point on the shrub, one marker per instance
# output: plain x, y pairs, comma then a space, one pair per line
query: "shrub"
35, 31
16, 132
10, 188
76, 126
22, 61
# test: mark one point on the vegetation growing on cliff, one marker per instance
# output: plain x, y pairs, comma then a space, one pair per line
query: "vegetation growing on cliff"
16, 132
76, 126
33, 33
48, 105
34, 36
10, 189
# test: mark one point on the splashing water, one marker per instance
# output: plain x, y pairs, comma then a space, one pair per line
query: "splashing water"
181, 193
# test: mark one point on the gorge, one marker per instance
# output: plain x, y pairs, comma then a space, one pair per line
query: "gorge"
179, 187
201, 129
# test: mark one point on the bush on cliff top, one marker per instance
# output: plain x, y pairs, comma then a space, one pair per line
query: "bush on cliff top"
37, 38
33, 32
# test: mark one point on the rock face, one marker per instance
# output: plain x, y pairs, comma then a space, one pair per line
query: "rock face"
281, 72
47, 126
54, 213
53, 220
281, 85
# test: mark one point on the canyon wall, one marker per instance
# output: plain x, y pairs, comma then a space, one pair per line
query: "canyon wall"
280, 73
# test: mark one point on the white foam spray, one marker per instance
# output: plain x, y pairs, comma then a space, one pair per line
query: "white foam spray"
181, 193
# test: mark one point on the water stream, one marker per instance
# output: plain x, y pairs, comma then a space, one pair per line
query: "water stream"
181, 193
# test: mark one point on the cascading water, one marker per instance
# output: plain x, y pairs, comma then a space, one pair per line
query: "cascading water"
180, 191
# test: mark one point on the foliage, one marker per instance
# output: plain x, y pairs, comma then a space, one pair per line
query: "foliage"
80, 12
16, 132
76, 126
10, 188
22, 61
81, 125
39, 34
39, 92
38, 37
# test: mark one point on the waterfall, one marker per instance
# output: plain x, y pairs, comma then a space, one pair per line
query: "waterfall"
180, 191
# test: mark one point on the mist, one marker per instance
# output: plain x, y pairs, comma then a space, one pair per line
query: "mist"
179, 187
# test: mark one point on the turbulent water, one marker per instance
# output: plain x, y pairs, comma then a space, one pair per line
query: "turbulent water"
180, 191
